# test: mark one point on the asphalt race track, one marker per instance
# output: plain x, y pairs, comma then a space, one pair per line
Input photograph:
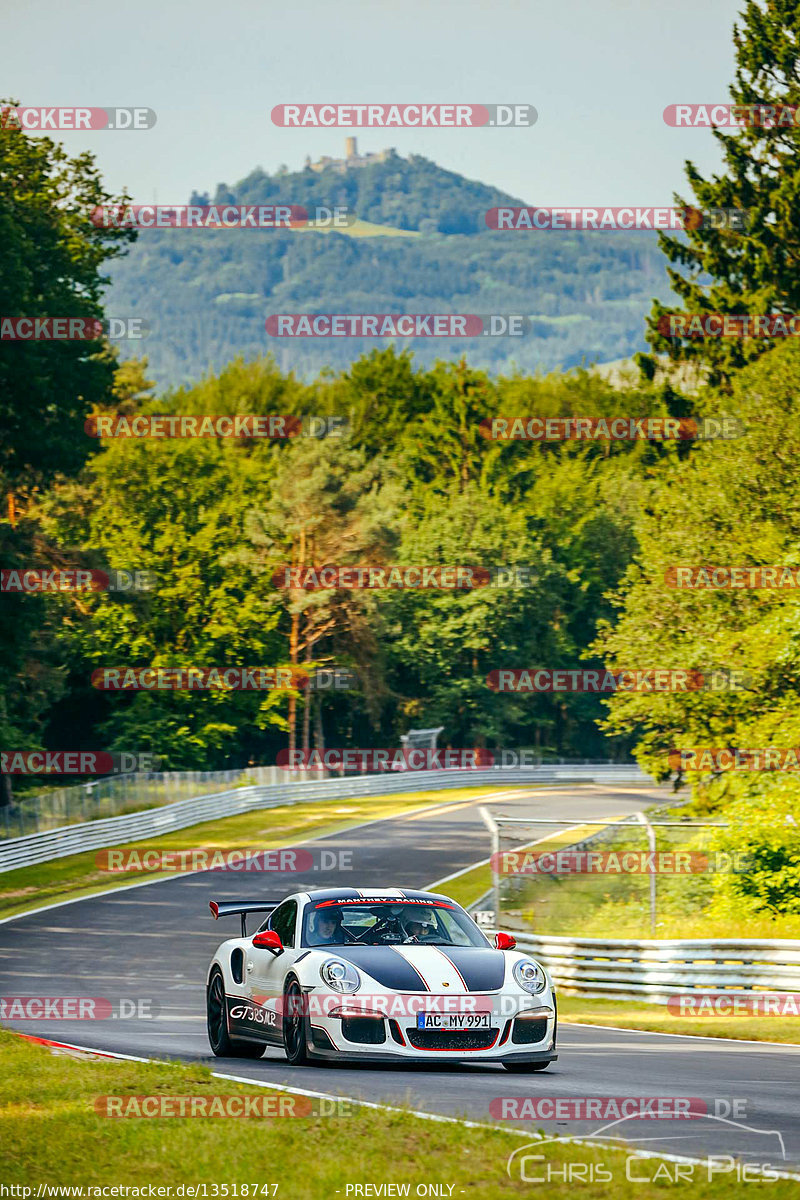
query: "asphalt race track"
154, 942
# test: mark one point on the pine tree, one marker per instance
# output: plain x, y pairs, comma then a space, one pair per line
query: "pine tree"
51, 257
754, 270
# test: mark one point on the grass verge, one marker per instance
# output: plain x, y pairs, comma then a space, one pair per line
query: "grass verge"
79, 875
51, 1134
467, 887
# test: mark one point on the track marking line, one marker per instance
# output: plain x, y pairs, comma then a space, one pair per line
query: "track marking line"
695, 1037
440, 1117
416, 816
418, 1113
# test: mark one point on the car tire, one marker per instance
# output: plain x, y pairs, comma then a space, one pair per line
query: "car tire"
219, 1039
294, 1025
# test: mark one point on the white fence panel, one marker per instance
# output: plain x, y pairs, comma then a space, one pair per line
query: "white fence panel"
648, 969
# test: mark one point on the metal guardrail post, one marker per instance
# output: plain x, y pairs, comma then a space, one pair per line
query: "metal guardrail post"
651, 841
494, 832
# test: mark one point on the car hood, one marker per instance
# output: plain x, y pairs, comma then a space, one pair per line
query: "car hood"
410, 968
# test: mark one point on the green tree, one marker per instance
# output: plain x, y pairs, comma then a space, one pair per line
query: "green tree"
753, 270
734, 503
329, 504
51, 257
178, 509
561, 511
764, 831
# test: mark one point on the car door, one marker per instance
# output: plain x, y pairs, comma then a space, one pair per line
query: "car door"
266, 971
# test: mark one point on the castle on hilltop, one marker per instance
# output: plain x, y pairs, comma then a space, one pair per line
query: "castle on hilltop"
351, 159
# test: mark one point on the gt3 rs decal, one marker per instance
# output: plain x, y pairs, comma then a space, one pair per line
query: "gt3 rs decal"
246, 1017
253, 1014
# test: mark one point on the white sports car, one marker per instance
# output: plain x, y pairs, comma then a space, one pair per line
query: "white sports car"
388, 974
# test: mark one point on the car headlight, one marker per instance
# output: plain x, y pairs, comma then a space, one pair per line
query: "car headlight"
341, 976
529, 975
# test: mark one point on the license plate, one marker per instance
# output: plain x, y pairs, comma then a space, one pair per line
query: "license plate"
437, 1020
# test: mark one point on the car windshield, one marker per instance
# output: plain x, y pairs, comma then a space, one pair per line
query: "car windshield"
388, 923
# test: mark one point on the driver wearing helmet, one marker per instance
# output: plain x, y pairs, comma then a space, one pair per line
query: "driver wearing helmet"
419, 925
325, 925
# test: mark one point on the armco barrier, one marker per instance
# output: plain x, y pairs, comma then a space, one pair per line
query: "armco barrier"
653, 970
116, 795
114, 831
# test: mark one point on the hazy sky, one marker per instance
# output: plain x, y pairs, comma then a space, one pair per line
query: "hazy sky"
600, 73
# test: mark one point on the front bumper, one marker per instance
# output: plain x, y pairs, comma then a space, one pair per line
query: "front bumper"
375, 1056
523, 1036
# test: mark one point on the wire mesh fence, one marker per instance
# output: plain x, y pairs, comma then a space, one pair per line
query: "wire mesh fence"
622, 877
116, 795
119, 794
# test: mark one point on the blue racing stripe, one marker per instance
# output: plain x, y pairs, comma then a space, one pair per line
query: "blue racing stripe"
482, 970
390, 969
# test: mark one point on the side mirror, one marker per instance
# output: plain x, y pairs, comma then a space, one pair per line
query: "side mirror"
268, 940
504, 941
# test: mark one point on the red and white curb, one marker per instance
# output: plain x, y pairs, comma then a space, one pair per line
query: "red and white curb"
88, 1053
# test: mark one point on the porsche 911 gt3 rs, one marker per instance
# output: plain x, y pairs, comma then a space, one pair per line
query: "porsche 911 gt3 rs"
389, 974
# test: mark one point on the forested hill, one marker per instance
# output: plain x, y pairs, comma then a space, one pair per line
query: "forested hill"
420, 245
407, 193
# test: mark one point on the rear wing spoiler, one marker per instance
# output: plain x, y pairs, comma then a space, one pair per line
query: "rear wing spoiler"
231, 908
